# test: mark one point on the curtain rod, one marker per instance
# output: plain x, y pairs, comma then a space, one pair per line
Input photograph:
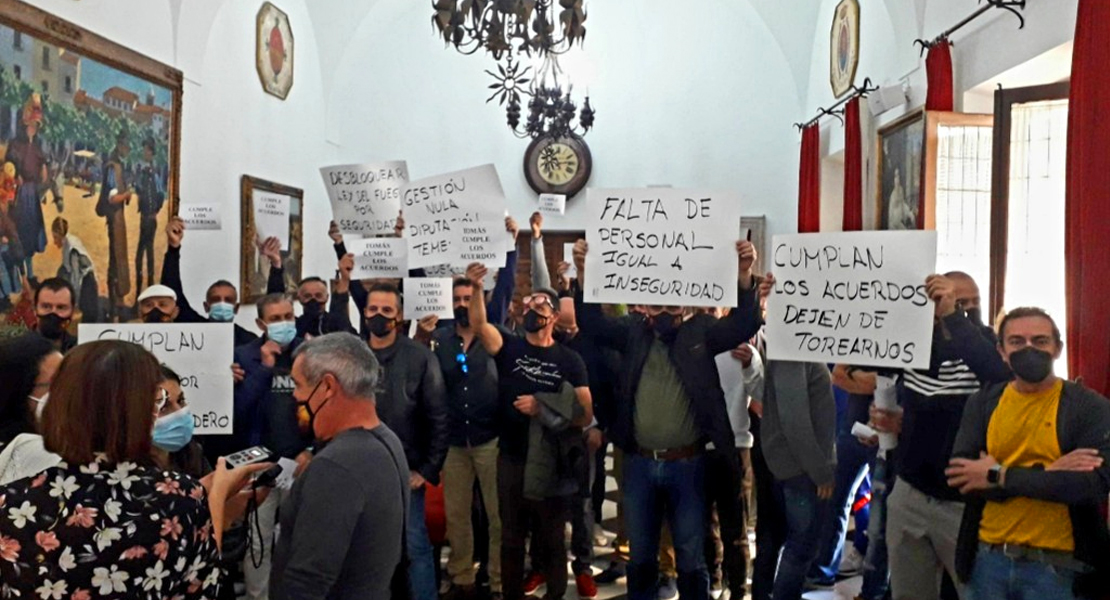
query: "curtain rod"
835, 109
1011, 6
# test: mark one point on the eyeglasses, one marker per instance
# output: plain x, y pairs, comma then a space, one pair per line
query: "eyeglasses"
538, 301
460, 359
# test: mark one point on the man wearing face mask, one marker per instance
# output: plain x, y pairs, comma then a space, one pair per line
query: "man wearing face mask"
923, 512
318, 317
266, 414
221, 301
158, 304
1030, 459
412, 404
671, 412
54, 310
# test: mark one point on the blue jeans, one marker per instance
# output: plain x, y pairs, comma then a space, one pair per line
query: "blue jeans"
876, 572
852, 462
422, 566
805, 514
675, 489
999, 577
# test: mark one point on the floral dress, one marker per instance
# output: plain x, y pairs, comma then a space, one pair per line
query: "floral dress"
106, 530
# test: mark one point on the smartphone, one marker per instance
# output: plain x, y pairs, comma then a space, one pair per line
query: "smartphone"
249, 456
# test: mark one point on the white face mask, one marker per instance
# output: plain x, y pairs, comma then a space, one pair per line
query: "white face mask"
40, 403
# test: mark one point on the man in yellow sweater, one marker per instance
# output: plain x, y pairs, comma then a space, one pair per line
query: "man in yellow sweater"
1030, 459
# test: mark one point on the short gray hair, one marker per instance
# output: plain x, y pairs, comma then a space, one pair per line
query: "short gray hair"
346, 357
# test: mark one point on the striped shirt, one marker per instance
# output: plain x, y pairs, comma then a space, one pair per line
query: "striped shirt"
952, 378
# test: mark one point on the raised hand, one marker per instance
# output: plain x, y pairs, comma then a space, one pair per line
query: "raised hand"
175, 232
536, 221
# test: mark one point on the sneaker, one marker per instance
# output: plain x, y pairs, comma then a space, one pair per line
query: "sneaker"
610, 575
852, 562
584, 583
668, 588
533, 583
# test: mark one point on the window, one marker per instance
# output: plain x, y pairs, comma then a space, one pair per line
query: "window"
18, 70
46, 58
69, 84
963, 201
17, 41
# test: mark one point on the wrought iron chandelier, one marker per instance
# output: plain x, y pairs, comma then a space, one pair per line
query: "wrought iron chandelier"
504, 26
551, 111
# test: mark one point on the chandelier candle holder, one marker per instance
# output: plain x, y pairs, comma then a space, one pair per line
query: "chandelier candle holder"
504, 26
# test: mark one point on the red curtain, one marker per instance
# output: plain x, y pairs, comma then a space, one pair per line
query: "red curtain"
1087, 216
938, 70
809, 181
853, 168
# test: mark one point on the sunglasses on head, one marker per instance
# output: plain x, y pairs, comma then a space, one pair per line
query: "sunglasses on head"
538, 300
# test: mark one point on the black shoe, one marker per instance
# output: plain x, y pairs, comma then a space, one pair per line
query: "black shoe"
610, 575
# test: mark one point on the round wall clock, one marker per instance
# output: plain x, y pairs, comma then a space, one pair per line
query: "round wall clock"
274, 52
844, 50
558, 165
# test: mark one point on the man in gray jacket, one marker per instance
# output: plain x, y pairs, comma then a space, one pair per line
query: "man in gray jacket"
799, 443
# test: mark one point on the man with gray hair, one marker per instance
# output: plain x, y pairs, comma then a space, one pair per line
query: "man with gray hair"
343, 523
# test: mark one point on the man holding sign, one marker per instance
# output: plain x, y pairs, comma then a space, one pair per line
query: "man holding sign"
671, 411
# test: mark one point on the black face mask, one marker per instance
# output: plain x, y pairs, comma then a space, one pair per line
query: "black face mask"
462, 316
306, 417
534, 322
975, 315
52, 327
155, 316
312, 308
1031, 365
380, 325
666, 325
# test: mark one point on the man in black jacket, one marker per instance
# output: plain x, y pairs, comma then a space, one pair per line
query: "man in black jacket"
923, 512
1030, 459
671, 410
412, 404
221, 301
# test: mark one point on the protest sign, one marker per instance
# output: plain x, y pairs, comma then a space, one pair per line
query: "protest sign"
435, 207
271, 217
480, 242
553, 204
201, 217
200, 353
425, 297
366, 198
852, 298
455, 271
662, 246
379, 257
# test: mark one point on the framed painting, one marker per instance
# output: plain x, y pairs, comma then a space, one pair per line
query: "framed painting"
255, 268
901, 161
90, 135
844, 47
274, 51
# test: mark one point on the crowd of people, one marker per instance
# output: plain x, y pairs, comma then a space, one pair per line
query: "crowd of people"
995, 485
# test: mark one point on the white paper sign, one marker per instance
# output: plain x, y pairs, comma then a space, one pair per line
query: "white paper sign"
199, 352
852, 298
365, 199
480, 242
271, 217
553, 204
201, 217
568, 257
425, 297
435, 208
662, 246
379, 257
454, 271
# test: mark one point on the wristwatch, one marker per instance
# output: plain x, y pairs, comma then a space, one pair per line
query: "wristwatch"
994, 475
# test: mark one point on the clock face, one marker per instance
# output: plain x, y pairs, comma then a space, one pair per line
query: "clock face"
558, 166
557, 163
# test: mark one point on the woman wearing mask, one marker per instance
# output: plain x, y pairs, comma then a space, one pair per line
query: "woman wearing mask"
27, 366
174, 446
105, 520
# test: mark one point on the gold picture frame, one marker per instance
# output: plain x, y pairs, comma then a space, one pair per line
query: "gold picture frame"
254, 268
900, 164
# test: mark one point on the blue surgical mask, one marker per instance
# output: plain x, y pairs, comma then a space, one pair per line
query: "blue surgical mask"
174, 430
282, 332
222, 312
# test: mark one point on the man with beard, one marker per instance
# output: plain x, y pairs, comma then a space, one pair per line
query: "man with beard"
54, 309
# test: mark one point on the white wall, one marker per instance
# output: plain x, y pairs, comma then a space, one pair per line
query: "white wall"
694, 97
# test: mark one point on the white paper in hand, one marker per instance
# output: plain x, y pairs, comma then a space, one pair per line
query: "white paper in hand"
271, 217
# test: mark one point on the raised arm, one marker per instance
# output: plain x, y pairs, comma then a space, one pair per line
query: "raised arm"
603, 330
498, 306
746, 318
487, 334
541, 277
171, 271
271, 249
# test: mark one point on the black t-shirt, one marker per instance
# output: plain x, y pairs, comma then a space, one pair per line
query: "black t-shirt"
525, 369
